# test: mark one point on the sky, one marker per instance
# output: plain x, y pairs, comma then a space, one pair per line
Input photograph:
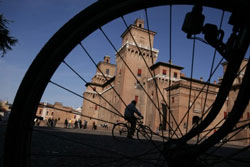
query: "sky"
34, 22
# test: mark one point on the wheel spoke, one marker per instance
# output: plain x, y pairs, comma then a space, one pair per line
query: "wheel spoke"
68, 90
87, 53
205, 142
118, 112
154, 74
134, 75
211, 70
198, 95
76, 113
191, 82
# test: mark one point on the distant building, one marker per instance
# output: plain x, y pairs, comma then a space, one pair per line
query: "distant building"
57, 111
5, 109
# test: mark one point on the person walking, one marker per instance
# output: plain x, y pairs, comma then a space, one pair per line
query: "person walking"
66, 123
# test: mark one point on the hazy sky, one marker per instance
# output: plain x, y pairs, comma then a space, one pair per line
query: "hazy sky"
35, 21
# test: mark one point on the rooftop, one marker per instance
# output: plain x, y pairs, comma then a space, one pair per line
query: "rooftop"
165, 65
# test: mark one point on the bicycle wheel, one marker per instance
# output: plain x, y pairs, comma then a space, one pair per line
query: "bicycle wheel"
156, 89
144, 134
120, 131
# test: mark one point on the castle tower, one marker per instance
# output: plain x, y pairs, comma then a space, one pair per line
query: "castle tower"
138, 53
104, 73
140, 36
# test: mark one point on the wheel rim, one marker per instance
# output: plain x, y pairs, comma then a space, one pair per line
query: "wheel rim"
37, 89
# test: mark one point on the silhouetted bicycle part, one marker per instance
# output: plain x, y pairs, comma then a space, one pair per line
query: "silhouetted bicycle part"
177, 147
120, 131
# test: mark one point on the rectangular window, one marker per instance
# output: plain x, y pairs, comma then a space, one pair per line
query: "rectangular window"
172, 99
175, 75
163, 125
139, 72
94, 88
164, 72
136, 99
185, 125
107, 71
248, 115
95, 107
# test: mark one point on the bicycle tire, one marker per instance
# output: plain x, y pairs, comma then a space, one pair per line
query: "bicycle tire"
120, 131
53, 53
144, 134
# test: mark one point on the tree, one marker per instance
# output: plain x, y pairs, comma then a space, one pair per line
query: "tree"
6, 41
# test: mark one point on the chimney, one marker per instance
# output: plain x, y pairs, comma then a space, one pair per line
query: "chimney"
201, 79
107, 59
139, 23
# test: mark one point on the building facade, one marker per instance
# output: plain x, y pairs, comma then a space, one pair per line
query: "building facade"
5, 109
58, 112
163, 93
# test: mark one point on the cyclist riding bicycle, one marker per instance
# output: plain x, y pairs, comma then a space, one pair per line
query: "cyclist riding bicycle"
130, 117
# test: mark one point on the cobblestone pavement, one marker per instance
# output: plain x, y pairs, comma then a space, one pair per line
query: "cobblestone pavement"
88, 148
76, 147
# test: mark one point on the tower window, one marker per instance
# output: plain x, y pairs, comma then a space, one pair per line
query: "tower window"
139, 72
107, 71
175, 75
164, 72
140, 25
